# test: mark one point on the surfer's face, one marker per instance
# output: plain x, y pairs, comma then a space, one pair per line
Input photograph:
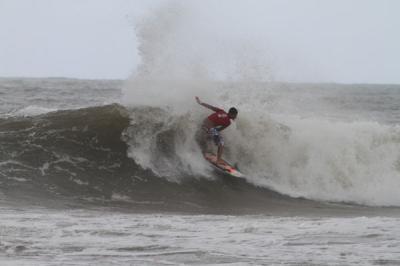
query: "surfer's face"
232, 113
232, 116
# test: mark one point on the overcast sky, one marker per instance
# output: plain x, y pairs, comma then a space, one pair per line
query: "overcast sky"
349, 41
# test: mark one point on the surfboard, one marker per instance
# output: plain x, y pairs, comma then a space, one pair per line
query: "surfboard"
224, 166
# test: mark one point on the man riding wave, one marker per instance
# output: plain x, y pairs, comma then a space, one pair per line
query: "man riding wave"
214, 124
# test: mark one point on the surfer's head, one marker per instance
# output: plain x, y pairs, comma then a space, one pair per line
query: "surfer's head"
233, 112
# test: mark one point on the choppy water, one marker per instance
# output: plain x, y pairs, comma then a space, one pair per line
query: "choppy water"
82, 237
87, 176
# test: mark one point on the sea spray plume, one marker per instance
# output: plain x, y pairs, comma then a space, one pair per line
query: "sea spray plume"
170, 72
156, 34
184, 50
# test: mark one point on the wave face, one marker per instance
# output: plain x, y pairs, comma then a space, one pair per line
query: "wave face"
71, 151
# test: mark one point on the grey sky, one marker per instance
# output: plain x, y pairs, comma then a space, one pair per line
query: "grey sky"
306, 40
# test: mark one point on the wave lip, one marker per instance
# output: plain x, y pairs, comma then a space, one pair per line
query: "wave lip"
31, 110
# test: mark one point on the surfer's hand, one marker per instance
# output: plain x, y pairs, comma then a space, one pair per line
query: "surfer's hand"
198, 100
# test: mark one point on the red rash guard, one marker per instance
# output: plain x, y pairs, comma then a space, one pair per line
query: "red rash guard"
220, 118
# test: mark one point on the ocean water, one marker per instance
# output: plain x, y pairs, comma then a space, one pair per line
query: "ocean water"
99, 172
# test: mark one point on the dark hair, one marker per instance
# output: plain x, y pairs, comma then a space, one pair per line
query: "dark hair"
233, 111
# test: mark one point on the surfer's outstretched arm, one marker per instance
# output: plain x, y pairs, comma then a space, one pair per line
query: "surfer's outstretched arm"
215, 109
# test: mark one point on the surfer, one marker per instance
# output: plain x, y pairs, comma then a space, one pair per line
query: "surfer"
214, 124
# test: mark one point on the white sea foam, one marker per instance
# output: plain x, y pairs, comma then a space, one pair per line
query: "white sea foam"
80, 237
321, 159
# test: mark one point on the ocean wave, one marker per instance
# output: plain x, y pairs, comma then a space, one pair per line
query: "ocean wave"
150, 154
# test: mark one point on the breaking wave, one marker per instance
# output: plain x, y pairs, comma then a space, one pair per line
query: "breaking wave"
149, 154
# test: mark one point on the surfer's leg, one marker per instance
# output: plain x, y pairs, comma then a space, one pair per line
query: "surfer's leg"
204, 140
219, 153
219, 141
